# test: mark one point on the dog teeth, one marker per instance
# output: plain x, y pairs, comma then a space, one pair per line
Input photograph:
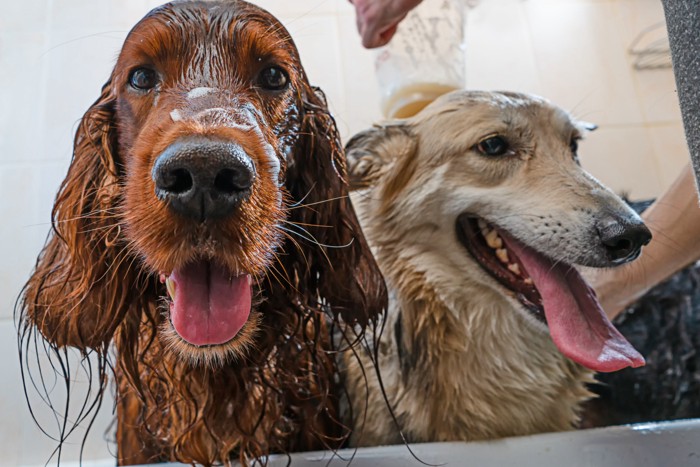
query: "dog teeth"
493, 240
483, 227
528, 281
170, 285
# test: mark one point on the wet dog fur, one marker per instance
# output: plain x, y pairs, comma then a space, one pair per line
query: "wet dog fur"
461, 358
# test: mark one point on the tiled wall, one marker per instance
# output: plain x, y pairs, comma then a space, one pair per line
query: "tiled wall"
575, 53
55, 55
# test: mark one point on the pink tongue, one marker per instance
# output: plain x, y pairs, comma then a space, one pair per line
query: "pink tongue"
577, 323
210, 306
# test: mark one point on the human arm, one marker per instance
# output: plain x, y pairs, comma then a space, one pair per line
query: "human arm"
674, 220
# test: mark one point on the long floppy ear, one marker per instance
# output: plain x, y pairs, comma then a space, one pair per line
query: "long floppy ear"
338, 270
77, 294
372, 152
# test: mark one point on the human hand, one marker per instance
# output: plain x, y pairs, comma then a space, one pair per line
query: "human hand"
377, 20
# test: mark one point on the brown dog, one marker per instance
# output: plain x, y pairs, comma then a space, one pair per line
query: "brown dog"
204, 231
476, 209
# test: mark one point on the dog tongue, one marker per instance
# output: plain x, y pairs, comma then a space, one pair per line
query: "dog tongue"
577, 323
209, 306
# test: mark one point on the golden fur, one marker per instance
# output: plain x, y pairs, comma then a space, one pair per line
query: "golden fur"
460, 358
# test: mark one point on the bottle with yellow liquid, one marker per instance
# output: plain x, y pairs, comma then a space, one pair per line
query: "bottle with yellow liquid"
424, 60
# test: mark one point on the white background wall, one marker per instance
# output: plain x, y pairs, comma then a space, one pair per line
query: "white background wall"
55, 55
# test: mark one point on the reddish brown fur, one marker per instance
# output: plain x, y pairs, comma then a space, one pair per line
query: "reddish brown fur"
96, 282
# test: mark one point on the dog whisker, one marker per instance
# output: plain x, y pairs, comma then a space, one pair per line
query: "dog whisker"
310, 237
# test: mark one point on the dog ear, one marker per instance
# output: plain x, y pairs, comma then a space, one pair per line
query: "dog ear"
77, 293
337, 269
370, 153
586, 126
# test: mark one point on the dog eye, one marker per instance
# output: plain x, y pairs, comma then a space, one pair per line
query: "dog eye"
574, 145
143, 79
493, 146
273, 78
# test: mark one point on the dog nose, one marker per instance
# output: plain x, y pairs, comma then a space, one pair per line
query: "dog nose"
203, 179
623, 239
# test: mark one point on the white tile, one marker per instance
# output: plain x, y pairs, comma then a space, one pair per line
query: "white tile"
20, 237
12, 404
345, 8
57, 73
317, 39
297, 9
582, 60
27, 16
670, 151
21, 441
85, 40
623, 159
361, 87
98, 16
79, 62
151, 4
22, 70
499, 54
657, 95
644, 25
639, 16
28, 191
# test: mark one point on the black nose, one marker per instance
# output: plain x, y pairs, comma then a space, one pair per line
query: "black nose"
203, 179
623, 238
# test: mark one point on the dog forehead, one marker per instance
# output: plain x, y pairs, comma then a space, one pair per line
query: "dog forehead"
212, 30
542, 118
210, 10
477, 108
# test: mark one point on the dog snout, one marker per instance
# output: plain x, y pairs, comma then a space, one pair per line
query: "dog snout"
622, 238
203, 179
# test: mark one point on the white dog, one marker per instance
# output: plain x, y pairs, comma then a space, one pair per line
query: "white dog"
476, 210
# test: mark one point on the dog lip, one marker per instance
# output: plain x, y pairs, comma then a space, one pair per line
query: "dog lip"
470, 236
